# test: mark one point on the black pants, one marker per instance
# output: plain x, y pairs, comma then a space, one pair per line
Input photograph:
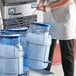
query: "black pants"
67, 56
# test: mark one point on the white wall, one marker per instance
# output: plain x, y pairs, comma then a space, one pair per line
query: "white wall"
1, 22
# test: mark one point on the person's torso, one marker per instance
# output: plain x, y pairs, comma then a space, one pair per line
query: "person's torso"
63, 21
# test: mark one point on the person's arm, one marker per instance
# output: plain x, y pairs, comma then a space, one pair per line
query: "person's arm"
59, 4
41, 1
40, 5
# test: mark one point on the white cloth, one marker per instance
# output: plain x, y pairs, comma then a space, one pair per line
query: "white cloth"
63, 22
75, 10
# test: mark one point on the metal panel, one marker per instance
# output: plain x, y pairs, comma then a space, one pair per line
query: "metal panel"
16, 2
20, 21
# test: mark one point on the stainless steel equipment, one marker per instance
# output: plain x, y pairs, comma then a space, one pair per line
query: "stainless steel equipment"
18, 13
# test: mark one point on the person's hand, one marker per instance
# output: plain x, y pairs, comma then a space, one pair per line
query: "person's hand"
40, 7
48, 8
40, 4
44, 8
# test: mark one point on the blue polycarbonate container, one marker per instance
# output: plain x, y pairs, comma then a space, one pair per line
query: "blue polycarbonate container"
39, 27
9, 38
37, 44
11, 54
21, 31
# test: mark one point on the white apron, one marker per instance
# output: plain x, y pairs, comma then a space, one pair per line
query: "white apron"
63, 22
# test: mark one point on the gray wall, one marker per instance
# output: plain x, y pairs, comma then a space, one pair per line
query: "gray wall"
0, 4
